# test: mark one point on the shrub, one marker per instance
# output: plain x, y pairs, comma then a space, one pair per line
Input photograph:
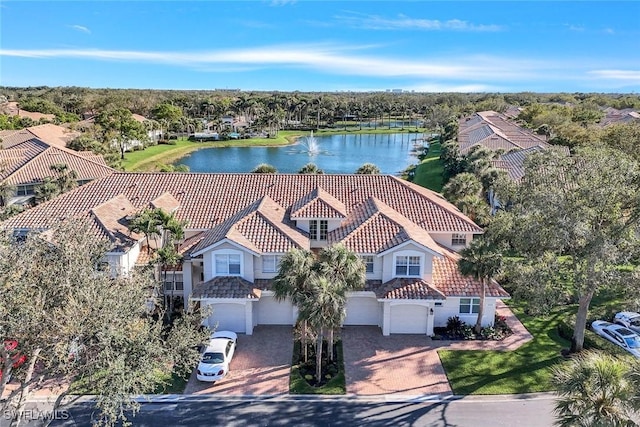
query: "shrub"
454, 325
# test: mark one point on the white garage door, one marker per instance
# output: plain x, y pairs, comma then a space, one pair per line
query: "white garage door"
228, 317
408, 319
363, 311
272, 312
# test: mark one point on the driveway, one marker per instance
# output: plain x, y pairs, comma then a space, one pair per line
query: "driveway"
260, 366
397, 364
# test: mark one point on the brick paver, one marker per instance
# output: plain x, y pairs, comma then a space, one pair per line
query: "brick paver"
260, 366
409, 364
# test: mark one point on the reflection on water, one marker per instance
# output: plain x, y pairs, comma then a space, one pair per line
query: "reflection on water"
392, 153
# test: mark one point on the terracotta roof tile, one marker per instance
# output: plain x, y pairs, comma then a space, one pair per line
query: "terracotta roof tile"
318, 204
166, 202
375, 227
113, 218
207, 200
448, 279
406, 288
260, 227
226, 287
494, 131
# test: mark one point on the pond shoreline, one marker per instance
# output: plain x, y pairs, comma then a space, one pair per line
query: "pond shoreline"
168, 154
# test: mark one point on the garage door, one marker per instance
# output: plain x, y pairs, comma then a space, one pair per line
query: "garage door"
272, 312
228, 317
363, 311
408, 319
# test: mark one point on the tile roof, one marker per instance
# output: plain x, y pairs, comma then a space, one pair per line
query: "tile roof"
113, 218
166, 202
208, 200
35, 169
496, 132
448, 279
49, 133
375, 227
318, 204
513, 162
260, 227
28, 154
12, 109
226, 287
406, 288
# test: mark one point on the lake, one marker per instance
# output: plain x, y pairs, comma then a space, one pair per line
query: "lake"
392, 153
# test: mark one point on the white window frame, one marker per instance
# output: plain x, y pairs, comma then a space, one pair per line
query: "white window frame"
472, 306
226, 255
318, 229
407, 257
368, 261
271, 263
458, 239
169, 282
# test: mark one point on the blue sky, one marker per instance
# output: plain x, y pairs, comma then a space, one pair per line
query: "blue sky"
424, 46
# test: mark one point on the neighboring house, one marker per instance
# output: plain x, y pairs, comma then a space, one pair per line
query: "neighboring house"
240, 225
13, 109
495, 132
27, 155
614, 116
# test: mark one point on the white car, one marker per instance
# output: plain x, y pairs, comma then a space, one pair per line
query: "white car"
618, 335
215, 359
629, 319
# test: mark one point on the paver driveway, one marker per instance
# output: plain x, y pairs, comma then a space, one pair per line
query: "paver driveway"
260, 366
397, 364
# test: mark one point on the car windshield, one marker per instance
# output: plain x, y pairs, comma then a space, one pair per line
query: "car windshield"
635, 321
633, 342
211, 358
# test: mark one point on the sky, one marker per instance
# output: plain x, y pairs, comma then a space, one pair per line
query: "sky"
305, 45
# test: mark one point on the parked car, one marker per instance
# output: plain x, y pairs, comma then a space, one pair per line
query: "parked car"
618, 335
18, 358
629, 319
216, 357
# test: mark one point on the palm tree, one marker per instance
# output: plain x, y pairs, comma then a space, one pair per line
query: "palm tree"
311, 169
147, 223
346, 272
596, 389
293, 281
323, 308
460, 186
368, 169
482, 261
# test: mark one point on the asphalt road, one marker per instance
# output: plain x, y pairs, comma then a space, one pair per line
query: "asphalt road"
283, 411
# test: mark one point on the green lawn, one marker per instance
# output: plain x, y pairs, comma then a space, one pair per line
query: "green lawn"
525, 370
149, 158
429, 171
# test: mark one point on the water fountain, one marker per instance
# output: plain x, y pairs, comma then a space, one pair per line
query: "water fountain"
311, 144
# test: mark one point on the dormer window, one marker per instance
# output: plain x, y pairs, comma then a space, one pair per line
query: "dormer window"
407, 265
318, 229
458, 240
227, 265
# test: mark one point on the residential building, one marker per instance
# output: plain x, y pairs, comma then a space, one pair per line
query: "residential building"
239, 226
27, 155
495, 132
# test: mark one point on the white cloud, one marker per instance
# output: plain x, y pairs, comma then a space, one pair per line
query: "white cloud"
81, 28
630, 76
475, 71
282, 2
403, 22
